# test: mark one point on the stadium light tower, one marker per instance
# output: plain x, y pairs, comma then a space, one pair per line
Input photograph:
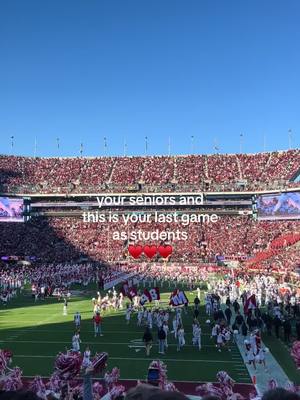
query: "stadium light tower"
290, 138
241, 142
192, 144
12, 144
146, 145
57, 143
169, 146
81, 149
105, 145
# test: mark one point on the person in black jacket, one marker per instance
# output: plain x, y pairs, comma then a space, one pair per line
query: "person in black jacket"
287, 329
161, 340
239, 319
148, 339
244, 329
277, 325
236, 306
196, 303
228, 314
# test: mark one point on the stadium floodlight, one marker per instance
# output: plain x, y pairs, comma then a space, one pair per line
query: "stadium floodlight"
290, 138
12, 143
192, 144
105, 145
241, 142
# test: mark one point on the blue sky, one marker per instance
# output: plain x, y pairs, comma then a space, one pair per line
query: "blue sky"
83, 70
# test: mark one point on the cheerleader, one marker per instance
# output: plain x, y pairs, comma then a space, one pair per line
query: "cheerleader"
180, 337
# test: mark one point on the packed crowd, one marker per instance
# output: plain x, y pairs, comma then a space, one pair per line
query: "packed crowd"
264, 243
205, 172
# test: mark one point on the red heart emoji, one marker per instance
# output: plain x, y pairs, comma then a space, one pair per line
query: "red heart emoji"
135, 251
150, 251
165, 251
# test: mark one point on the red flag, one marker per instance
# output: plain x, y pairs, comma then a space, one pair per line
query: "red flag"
132, 293
178, 298
145, 297
154, 294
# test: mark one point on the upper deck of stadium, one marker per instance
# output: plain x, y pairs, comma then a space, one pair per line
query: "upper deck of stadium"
210, 173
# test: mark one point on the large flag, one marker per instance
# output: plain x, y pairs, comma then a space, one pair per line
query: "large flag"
178, 298
149, 295
250, 303
129, 291
154, 293
132, 293
145, 297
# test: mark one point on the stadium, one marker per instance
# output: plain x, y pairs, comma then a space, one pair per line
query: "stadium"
149, 200
68, 247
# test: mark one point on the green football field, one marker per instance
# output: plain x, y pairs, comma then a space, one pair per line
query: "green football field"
36, 332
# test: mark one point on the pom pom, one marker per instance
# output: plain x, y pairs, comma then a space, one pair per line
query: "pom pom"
111, 378
99, 362
68, 365
207, 321
116, 391
13, 381
97, 391
37, 386
54, 384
